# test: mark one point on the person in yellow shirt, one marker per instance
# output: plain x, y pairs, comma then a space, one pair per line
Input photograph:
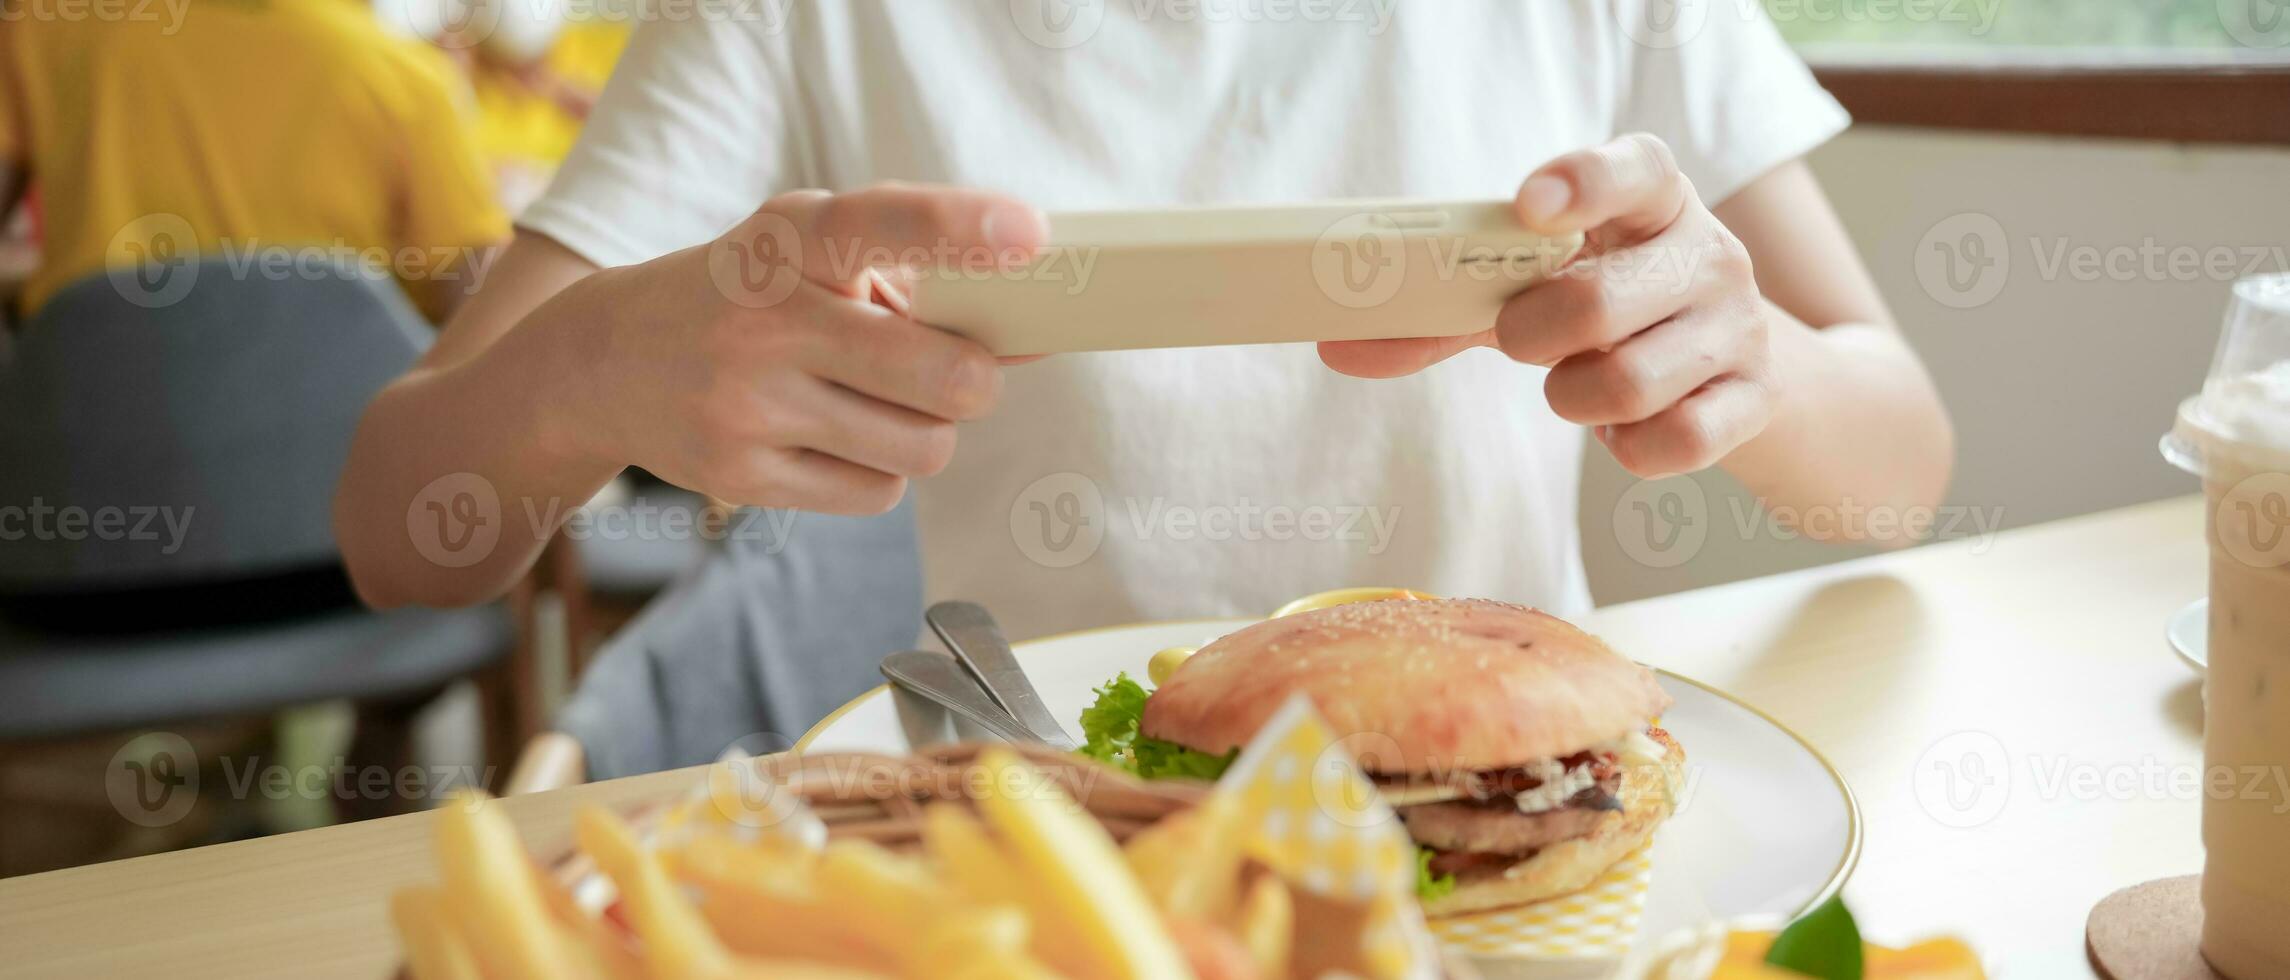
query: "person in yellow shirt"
249, 125
530, 106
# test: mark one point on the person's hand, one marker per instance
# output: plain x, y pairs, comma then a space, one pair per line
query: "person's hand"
759, 370
1656, 337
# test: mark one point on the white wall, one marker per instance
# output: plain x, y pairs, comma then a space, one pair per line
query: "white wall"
2059, 384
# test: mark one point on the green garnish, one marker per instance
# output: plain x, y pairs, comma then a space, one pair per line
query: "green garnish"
1109, 728
1428, 886
1825, 944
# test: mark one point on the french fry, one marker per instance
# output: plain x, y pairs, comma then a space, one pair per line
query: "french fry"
1267, 924
968, 856
768, 864
773, 916
604, 952
1071, 860
979, 867
434, 950
1211, 952
1190, 862
678, 944
490, 893
888, 900
965, 934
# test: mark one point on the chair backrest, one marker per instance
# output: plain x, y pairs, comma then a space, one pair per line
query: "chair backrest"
148, 443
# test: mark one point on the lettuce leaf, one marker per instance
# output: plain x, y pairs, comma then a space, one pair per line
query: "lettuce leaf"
1428, 886
1109, 733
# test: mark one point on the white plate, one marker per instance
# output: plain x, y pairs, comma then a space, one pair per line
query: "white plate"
1766, 826
2189, 632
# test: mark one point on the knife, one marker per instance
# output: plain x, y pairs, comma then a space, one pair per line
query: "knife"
977, 641
935, 677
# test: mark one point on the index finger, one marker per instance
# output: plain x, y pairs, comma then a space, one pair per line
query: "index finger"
838, 238
1621, 193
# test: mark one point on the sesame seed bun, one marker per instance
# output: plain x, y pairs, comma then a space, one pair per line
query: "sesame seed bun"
1433, 684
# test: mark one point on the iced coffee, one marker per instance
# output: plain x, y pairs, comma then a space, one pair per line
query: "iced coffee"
2237, 435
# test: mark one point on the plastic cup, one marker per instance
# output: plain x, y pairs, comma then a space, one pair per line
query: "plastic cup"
2236, 436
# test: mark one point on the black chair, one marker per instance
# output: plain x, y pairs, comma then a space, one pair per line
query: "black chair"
228, 411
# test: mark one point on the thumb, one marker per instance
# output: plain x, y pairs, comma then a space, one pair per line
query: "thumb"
1621, 193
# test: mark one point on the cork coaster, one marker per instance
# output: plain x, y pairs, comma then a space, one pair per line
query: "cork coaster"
2150, 932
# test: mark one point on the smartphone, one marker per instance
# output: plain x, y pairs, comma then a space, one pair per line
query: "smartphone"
1196, 277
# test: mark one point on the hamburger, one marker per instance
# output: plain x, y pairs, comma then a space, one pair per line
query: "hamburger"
1518, 750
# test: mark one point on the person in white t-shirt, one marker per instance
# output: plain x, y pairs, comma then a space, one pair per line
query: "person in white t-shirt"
1117, 487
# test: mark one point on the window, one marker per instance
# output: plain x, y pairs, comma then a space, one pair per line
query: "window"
2225, 27
2186, 70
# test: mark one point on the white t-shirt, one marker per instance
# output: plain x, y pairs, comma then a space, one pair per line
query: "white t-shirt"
1113, 488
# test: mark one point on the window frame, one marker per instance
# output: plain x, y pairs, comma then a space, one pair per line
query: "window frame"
2105, 95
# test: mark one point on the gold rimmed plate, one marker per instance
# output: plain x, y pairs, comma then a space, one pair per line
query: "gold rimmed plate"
1766, 826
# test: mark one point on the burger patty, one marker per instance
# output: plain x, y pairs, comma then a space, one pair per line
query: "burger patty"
1496, 826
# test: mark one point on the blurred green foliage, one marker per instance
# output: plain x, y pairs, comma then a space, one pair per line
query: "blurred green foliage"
2061, 23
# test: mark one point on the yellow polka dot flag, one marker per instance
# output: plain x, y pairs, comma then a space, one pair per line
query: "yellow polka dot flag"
1319, 823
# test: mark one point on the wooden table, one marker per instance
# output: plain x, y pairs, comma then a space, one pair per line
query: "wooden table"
2044, 644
